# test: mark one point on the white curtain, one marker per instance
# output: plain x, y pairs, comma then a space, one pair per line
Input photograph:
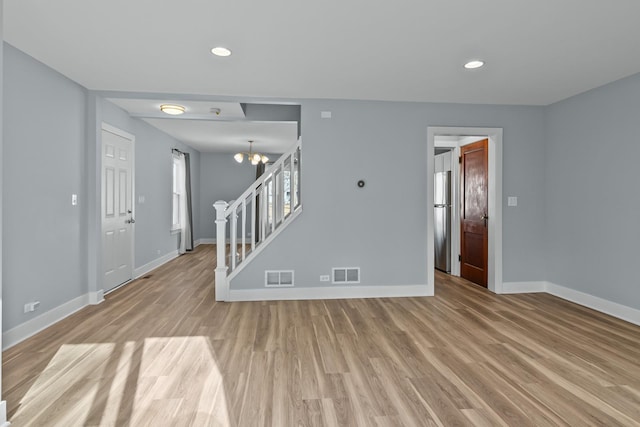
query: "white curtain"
185, 227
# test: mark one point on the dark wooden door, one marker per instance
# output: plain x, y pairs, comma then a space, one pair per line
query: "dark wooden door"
474, 214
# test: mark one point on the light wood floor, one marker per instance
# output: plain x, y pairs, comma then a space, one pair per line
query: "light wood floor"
161, 352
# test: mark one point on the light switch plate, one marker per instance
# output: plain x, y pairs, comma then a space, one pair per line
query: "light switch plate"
512, 201
74, 199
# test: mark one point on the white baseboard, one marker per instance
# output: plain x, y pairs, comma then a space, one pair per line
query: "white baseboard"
96, 298
43, 321
31, 327
150, 266
3, 414
523, 287
328, 292
620, 311
629, 314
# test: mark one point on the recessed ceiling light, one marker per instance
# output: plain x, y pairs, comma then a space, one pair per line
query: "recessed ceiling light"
221, 51
476, 63
174, 110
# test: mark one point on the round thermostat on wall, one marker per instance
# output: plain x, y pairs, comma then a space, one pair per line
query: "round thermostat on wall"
361, 183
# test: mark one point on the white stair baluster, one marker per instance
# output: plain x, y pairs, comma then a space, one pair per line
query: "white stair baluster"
272, 200
281, 195
291, 175
253, 220
233, 249
244, 226
263, 213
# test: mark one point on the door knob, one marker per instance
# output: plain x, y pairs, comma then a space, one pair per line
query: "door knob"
130, 221
485, 217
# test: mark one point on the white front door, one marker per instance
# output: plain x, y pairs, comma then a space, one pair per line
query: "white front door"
117, 209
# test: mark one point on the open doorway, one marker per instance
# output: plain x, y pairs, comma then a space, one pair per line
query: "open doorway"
444, 155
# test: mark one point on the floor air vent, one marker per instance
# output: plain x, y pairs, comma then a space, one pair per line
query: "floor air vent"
278, 278
346, 275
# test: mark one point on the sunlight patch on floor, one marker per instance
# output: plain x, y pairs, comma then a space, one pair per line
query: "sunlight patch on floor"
161, 382
171, 386
75, 373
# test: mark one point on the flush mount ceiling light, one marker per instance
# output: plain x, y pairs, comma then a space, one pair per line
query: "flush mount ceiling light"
253, 157
174, 110
221, 51
472, 65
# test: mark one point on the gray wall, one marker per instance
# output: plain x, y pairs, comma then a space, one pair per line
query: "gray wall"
221, 178
45, 241
382, 227
154, 171
592, 198
44, 135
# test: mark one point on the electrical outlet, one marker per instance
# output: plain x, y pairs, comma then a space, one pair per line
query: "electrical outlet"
158, 251
324, 278
31, 306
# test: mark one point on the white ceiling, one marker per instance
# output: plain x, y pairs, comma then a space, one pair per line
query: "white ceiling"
537, 52
202, 129
230, 137
193, 109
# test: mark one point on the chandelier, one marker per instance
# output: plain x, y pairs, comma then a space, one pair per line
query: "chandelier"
253, 157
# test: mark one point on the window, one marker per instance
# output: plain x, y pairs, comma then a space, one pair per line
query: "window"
176, 222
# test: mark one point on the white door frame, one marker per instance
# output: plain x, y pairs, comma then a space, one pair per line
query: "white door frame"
126, 135
494, 267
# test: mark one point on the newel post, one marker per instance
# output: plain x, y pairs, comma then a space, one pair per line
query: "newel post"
222, 287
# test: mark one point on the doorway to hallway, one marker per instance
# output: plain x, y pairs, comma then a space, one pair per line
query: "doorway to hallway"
475, 244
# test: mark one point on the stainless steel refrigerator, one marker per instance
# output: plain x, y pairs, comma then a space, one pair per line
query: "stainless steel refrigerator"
442, 220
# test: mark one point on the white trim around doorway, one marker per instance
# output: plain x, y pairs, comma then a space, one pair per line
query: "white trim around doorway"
495, 201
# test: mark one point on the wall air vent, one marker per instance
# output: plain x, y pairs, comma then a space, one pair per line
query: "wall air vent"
278, 278
345, 275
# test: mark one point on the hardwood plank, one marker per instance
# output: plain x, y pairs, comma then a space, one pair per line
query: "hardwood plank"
160, 351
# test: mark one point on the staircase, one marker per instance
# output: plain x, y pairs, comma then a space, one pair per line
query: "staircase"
255, 218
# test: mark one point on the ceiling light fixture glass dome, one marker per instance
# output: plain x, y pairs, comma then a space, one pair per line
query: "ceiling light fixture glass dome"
221, 51
172, 109
472, 65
